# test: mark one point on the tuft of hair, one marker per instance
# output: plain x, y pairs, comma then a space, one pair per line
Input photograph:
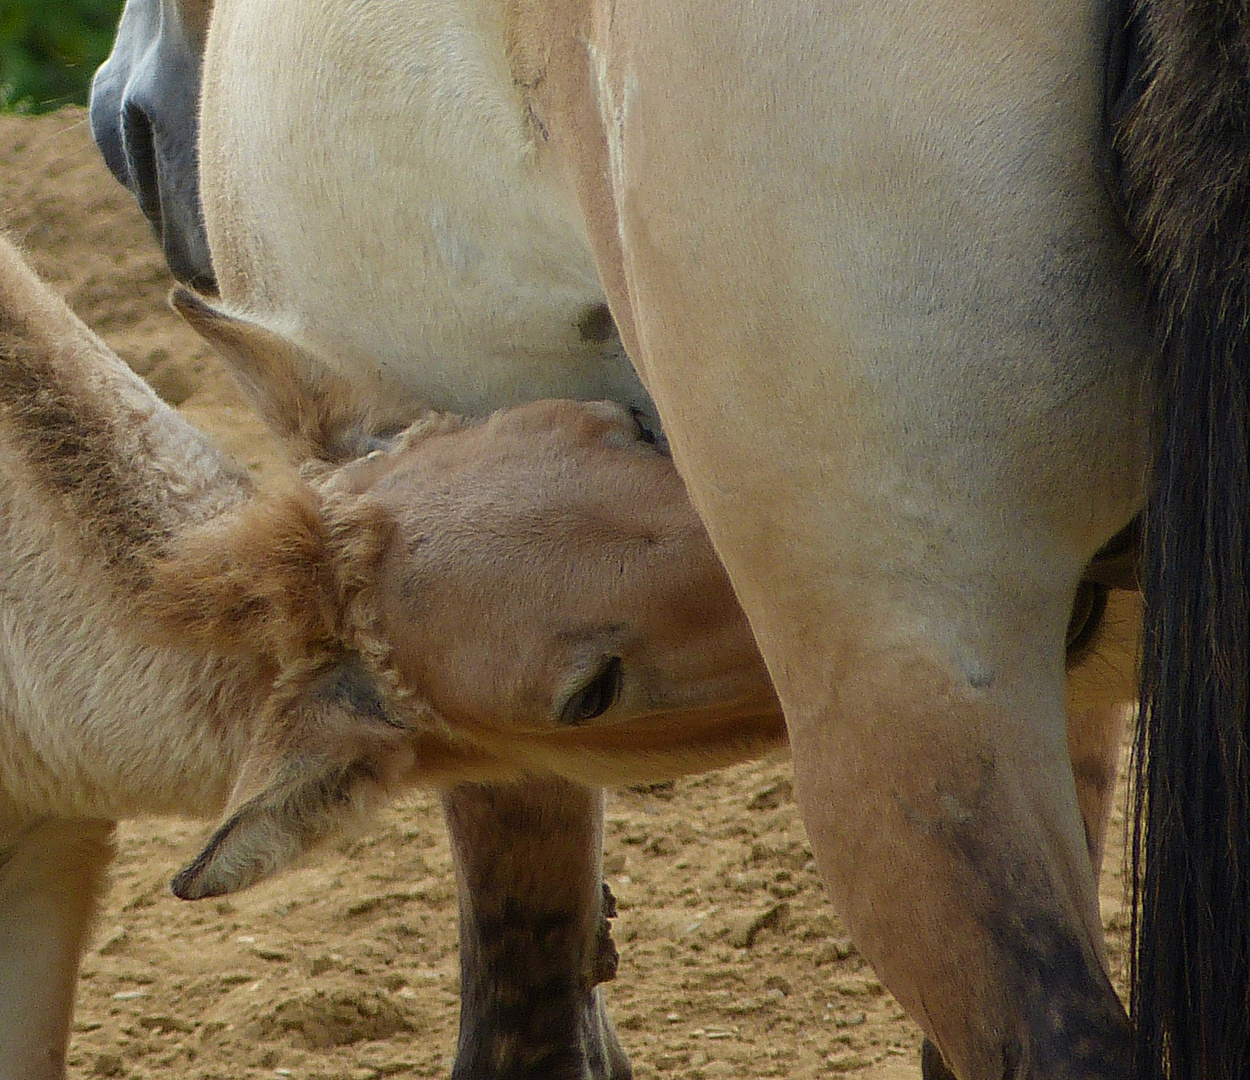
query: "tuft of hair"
289, 574
1183, 136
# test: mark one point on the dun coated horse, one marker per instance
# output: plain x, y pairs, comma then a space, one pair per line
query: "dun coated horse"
888, 239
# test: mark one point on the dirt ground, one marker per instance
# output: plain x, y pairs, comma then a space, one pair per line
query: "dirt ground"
733, 964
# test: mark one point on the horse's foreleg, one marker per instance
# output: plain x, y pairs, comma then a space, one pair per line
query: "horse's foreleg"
51, 877
534, 937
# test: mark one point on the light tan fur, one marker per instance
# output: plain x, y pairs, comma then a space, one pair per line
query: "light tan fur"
876, 235
490, 295
173, 640
865, 263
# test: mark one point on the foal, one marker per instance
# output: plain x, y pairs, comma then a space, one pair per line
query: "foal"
177, 640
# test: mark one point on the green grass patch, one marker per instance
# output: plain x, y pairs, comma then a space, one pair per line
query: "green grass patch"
49, 49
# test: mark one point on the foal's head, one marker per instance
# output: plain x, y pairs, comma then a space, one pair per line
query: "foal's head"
549, 588
530, 592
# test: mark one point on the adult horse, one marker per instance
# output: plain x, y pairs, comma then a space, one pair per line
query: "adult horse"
885, 242
932, 310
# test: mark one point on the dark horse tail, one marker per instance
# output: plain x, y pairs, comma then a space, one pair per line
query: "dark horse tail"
1182, 132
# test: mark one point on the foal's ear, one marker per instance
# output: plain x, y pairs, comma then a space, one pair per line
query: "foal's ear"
325, 755
318, 413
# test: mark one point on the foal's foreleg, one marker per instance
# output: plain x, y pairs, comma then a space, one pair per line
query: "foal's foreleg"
534, 938
52, 873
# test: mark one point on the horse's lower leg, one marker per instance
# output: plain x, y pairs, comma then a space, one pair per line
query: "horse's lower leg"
1094, 737
1102, 686
948, 831
1100, 690
51, 876
534, 937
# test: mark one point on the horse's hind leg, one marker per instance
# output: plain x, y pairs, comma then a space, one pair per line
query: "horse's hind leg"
1095, 733
534, 940
948, 832
51, 876
899, 357
1100, 691
1102, 686
1094, 737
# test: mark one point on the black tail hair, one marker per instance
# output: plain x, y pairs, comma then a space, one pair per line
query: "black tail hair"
1183, 136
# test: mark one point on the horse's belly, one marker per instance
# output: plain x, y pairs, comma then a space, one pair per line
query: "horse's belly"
387, 207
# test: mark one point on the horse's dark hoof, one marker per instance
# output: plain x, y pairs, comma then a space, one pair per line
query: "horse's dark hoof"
932, 1067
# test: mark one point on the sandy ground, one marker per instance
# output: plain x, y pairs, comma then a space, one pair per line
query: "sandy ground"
733, 964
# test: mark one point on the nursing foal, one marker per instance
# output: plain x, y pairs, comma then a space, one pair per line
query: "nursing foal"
178, 641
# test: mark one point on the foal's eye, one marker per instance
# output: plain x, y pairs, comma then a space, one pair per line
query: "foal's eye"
596, 697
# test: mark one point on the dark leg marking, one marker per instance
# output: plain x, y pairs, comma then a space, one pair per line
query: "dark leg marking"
1071, 1024
78, 453
932, 1067
535, 940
